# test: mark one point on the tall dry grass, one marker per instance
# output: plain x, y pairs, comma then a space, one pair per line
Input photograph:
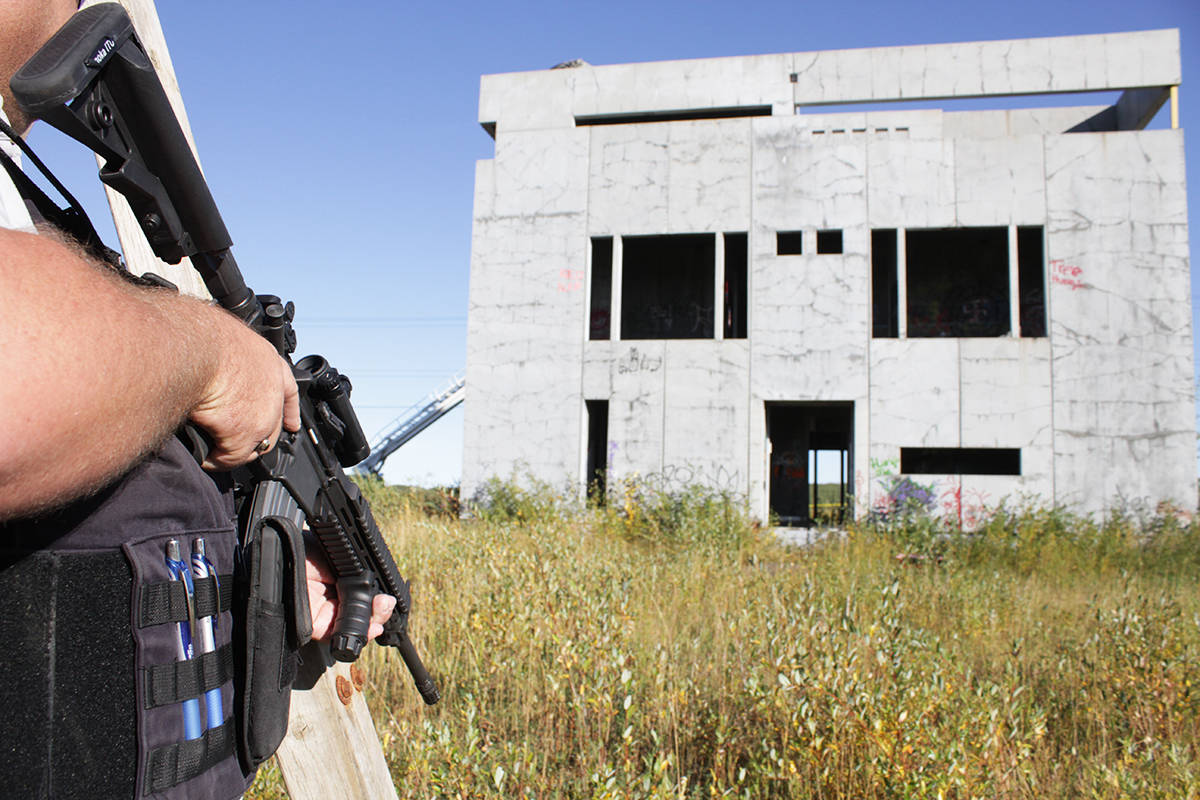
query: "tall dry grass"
663, 647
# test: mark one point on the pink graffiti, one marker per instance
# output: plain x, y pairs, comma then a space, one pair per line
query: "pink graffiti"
570, 280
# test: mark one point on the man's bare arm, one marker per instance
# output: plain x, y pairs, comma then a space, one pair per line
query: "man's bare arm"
99, 372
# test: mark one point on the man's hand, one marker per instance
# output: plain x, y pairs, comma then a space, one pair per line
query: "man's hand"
322, 600
251, 397
102, 372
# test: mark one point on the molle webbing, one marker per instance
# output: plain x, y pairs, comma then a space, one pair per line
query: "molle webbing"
177, 681
175, 763
166, 601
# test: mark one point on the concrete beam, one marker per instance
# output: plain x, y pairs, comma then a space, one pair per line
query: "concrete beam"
1102, 62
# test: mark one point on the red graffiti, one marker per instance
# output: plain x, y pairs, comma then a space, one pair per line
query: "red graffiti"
968, 506
1065, 274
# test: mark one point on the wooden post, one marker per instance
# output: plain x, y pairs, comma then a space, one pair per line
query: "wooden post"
138, 255
331, 750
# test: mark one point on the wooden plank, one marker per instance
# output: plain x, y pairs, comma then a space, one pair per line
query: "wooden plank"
331, 750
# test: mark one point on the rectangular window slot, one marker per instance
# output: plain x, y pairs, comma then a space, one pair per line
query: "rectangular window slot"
960, 461
596, 471
1031, 280
736, 256
600, 316
885, 298
829, 242
675, 115
667, 286
957, 282
789, 243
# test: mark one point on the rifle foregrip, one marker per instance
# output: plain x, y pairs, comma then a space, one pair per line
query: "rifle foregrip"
350, 629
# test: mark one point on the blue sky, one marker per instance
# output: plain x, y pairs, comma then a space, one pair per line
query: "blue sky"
340, 144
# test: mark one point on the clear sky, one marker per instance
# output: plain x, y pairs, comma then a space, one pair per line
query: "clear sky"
340, 143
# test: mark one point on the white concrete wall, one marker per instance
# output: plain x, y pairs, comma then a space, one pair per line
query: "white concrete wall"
1121, 323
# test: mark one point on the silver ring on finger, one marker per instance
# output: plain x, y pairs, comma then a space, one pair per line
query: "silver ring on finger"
263, 446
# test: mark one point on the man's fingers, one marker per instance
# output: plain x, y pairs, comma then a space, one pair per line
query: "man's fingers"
316, 568
291, 401
382, 607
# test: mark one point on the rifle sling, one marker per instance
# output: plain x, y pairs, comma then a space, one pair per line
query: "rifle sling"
72, 220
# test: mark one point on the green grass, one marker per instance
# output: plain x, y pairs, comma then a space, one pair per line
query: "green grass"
663, 646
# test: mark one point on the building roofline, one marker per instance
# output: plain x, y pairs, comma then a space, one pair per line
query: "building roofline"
784, 81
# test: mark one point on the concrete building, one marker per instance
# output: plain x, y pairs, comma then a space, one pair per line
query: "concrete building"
707, 271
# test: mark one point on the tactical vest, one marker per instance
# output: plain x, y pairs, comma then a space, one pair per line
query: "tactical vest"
94, 698
91, 689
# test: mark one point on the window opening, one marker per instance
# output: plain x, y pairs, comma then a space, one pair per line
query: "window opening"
1031, 280
885, 298
789, 243
957, 282
667, 286
736, 250
677, 115
829, 242
960, 461
600, 317
810, 461
596, 472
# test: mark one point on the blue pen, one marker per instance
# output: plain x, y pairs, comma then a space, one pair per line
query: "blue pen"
183, 643
201, 569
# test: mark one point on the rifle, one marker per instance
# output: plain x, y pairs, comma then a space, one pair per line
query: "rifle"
95, 83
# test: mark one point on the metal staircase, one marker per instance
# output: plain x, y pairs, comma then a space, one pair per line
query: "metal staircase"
422, 415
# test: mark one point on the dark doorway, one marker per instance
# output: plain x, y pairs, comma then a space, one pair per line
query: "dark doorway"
596, 472
810, 467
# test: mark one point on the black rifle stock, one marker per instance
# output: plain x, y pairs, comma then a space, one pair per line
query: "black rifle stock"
94, 82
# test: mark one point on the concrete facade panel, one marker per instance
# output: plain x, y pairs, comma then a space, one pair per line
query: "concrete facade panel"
523, 351
636, 409
541, 172
709, 176
1121, 317
911, 183
1000, 181
681, 85
915, 399
628, 179
706, 415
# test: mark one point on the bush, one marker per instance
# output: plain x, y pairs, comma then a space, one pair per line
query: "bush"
390, 501
694, 515
513, 500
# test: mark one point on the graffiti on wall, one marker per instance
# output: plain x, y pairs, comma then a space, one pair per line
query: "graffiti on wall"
633, 361
570, 280
895, 497
1065, 274
675, 477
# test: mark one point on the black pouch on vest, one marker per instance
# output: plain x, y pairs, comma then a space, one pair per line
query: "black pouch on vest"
169, 689
274, 622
